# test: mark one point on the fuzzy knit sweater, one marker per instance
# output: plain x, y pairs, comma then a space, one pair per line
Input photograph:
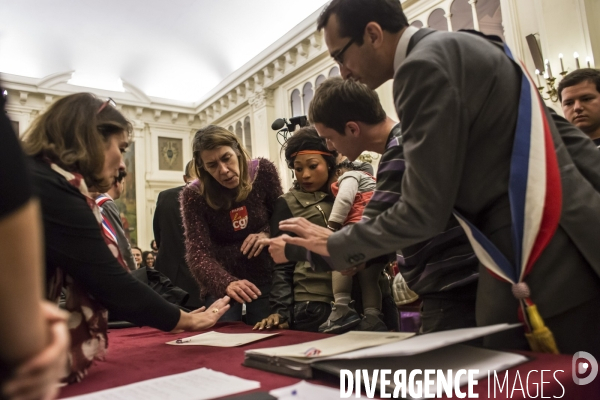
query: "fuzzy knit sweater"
213, 238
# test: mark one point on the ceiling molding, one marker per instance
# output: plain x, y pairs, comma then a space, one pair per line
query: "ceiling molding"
52, 80
270, 57
136, 91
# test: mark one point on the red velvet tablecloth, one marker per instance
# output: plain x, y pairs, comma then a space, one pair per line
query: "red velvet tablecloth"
137, 354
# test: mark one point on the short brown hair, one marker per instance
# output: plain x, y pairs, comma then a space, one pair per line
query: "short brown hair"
72, 134
354, 15
210, 138
576, 77
337, 102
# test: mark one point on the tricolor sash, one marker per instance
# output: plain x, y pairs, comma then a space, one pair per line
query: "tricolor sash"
535, 197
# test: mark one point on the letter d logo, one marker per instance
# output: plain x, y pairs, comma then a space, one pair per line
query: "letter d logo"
581, 367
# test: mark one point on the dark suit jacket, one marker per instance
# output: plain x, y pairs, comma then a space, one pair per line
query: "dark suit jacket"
169, 236
457, 96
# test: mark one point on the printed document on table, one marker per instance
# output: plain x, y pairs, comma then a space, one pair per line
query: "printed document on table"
198, 384
349, 341
307, 391
217, 339
423, 343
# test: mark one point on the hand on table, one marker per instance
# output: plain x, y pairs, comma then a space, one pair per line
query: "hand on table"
276, 249
38, 377
310, 236
273, 321
202, 318
252, 245
242, 291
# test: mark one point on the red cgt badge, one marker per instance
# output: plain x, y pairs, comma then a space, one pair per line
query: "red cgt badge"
239, 218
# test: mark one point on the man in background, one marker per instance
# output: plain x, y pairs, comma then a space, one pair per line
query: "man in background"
579, 95
137, 255
169, 236
110, 211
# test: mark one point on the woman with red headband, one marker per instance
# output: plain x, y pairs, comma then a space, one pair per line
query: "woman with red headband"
301, 297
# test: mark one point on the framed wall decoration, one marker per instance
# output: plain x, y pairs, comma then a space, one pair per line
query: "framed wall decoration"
170, 154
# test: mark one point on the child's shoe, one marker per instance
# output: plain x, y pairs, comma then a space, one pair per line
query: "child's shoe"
372, 323
342, 319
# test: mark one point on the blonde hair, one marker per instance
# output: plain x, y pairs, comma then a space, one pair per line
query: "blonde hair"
72, 133
210, 138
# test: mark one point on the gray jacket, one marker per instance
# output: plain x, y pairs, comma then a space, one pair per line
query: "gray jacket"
457, 97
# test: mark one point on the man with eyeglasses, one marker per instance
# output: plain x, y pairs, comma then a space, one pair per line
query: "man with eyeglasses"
458, 96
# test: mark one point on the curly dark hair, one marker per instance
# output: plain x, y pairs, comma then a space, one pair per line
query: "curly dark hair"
347, 164
307, 138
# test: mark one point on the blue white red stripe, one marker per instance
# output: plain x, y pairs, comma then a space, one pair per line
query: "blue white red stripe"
534, 191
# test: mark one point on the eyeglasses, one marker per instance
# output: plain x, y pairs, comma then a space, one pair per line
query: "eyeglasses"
107, 102
339, 56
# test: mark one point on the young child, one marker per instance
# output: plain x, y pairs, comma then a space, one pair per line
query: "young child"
352, 192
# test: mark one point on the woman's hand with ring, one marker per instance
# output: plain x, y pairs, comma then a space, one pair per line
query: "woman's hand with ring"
252, 245
202, 318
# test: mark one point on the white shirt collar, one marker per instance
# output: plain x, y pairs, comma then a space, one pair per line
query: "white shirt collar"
403, 46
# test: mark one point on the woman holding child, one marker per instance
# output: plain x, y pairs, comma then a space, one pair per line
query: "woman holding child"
300, 297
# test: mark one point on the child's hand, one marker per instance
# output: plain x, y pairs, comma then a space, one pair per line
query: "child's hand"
273, 321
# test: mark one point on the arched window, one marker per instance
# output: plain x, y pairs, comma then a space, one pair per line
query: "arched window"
462, 15
307, 95
247, 136
319, 80
239, 132
230, 128
490, 17
417, 24
437, 20
335, 71
296, 103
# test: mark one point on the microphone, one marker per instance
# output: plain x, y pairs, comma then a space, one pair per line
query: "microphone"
278, 124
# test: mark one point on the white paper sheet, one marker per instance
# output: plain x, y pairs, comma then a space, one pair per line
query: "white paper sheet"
218, 339
349, 341
307, 391
423, 343
198, 384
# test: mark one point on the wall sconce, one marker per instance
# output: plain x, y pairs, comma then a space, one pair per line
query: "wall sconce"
548, 91
550, 80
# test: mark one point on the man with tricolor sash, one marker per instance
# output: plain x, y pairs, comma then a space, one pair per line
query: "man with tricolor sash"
479, 144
